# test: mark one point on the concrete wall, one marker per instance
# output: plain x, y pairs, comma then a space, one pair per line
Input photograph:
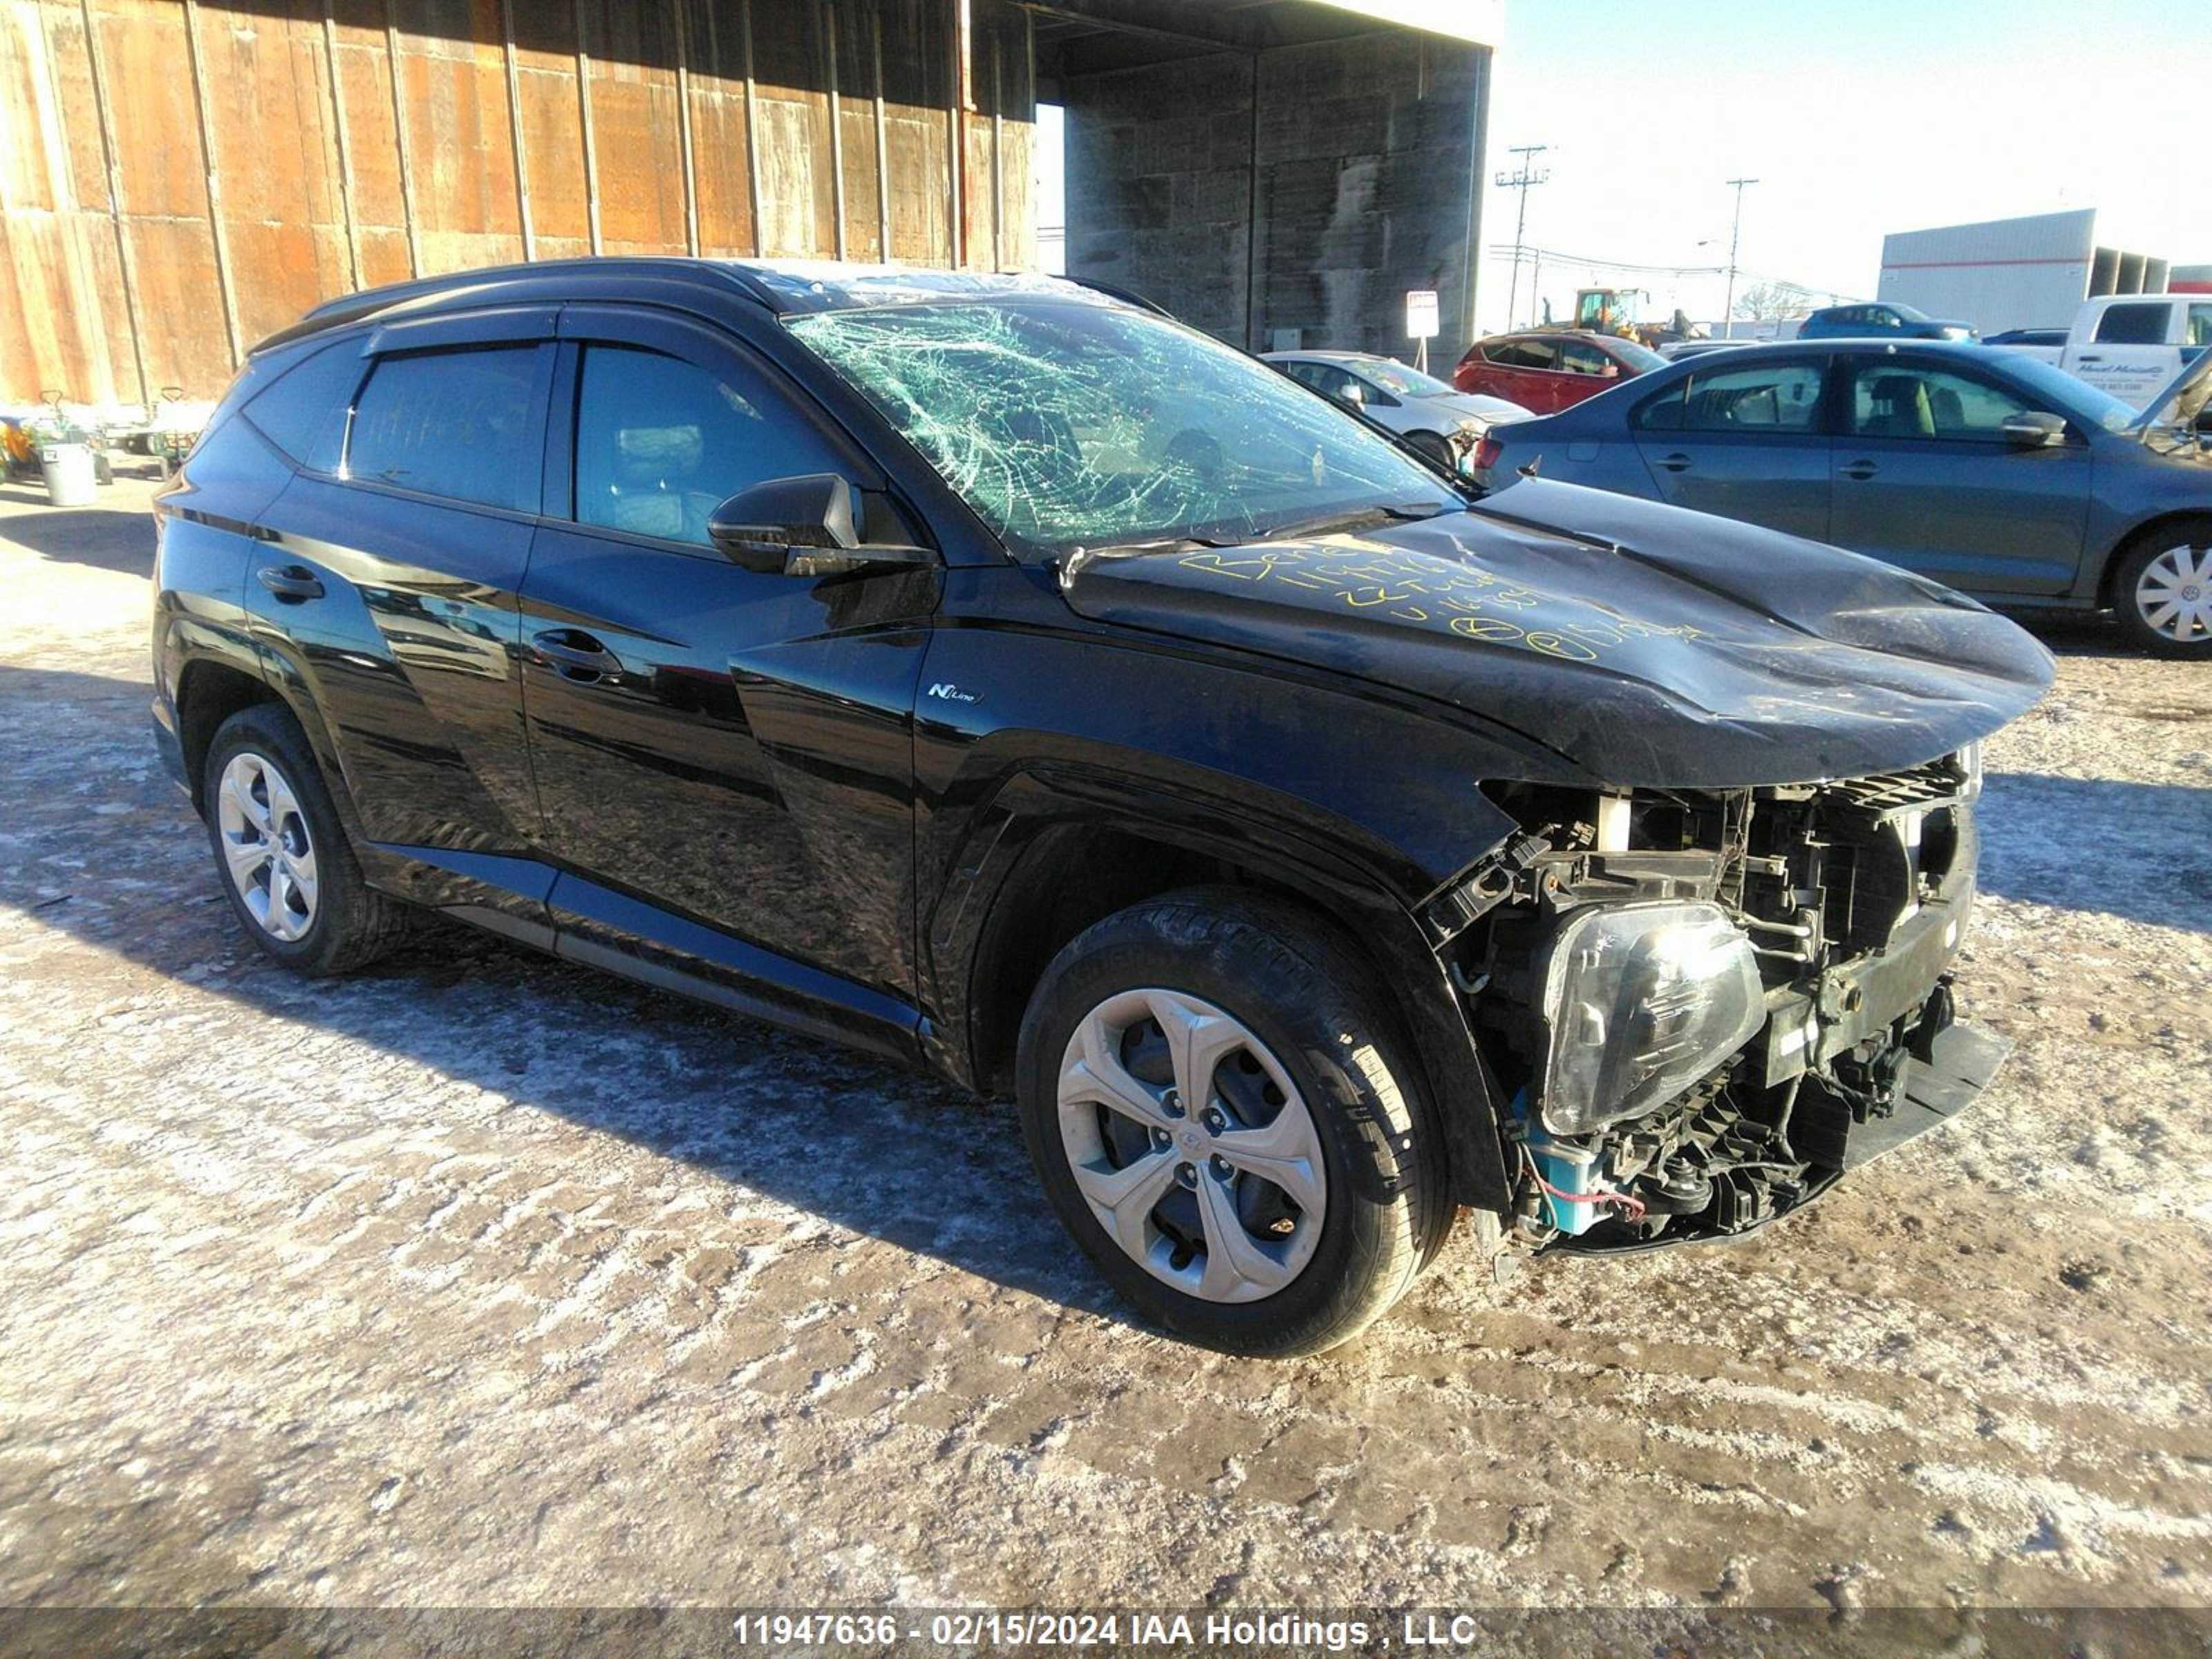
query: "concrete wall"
1352, 182
178, 179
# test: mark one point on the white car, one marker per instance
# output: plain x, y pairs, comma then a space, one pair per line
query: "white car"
1433, 416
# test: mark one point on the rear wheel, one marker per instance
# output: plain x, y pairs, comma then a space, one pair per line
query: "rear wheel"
2162, 591
1226, 1122
283, 858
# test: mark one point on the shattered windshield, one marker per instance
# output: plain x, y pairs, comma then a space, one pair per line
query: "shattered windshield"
1069, 425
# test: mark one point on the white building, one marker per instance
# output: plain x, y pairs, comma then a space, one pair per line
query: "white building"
2032, 272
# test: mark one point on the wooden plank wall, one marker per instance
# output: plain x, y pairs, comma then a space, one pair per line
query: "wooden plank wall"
179, 177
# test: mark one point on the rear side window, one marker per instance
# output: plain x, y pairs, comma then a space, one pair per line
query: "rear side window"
303, 414
1523, 354
661, 443
1773, 398
460, 424
2142, 324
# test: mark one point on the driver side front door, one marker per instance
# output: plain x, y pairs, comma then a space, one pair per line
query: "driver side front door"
724, 756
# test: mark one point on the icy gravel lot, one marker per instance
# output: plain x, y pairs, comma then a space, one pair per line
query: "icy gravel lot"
484, 1279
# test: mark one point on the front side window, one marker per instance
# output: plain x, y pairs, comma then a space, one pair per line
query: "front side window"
1066, 423
660, 443
1326, 378
1583, 360
2200, 324
1889, 401
2138, 325
461, 424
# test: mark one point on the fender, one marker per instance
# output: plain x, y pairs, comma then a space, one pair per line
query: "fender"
986, 884
1368, 806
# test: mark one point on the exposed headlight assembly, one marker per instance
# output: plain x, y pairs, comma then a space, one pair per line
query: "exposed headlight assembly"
1641, 1000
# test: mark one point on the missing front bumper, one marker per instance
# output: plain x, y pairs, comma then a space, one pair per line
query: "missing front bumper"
1961, 1062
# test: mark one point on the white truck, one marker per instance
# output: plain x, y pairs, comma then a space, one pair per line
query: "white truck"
2131, 344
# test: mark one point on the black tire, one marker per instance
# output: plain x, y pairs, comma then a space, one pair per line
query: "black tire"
2147, 547
1298, 985
352, 924
1431, 447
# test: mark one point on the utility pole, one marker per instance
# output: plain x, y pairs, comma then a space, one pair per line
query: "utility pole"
1735, 232
1521, 179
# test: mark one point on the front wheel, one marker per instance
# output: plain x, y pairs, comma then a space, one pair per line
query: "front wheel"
1227, 1123
2162, 592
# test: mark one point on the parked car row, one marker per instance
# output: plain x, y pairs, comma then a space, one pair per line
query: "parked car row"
1990, 471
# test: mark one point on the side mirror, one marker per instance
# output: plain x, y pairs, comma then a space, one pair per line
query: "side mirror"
807, 526
2032, 429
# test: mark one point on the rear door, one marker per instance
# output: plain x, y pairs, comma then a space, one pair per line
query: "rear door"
1527, 372
1745, 441
724, 756
383, 594
1924, 477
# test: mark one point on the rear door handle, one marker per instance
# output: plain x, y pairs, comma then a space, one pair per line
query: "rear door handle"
294, 582
1675, 463
1860, 470
575, 654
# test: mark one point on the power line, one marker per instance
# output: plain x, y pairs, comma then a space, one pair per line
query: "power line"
1525, 178
1736, 229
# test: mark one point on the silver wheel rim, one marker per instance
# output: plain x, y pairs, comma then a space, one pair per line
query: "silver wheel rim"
2174, 595
266, 847
1192, 1146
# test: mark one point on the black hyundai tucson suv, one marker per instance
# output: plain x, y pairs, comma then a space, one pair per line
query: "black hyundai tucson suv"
991, 672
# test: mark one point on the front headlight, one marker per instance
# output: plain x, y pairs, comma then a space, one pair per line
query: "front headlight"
1642, 1001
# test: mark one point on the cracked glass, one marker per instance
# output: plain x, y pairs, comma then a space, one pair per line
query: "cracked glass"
1069, 424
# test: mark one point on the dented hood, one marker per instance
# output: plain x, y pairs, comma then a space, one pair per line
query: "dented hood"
1625, 642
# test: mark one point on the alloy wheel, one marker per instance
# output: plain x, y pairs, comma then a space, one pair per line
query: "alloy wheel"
266, 846
2174, 595
1192, 1145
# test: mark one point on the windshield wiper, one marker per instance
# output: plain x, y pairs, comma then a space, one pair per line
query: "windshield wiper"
1351, 519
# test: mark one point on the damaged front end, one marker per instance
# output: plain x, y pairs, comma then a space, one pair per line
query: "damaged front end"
1705, 1006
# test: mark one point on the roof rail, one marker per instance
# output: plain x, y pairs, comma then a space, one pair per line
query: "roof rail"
1127, 297
366, 302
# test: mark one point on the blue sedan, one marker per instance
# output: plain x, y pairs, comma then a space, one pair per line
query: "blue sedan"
1989, 471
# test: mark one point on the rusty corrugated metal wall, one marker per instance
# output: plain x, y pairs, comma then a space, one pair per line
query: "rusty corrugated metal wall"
178, 179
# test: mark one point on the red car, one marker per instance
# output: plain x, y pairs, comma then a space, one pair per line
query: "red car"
1546, 370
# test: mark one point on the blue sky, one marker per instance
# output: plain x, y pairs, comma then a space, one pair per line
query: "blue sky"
1856, 119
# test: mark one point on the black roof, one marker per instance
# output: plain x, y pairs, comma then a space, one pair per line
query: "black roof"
777, 287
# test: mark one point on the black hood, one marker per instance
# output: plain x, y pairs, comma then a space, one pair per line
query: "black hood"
1632, 643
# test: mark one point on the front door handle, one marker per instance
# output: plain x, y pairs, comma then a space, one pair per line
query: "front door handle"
575, 654
292, 584
1860, 470
1677, 462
